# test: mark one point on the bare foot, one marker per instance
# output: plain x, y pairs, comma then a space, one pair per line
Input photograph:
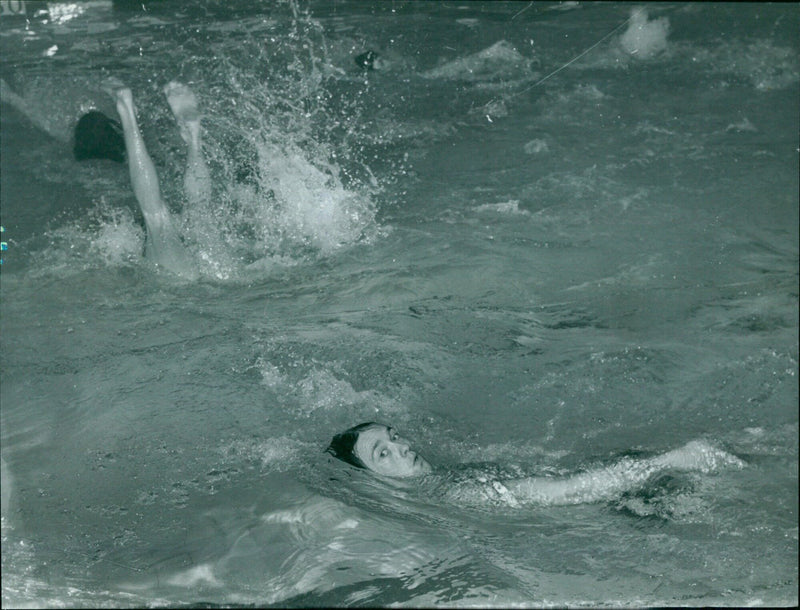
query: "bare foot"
183, 103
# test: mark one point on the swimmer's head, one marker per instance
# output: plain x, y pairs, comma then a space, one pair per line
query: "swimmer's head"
378, 448
99, 137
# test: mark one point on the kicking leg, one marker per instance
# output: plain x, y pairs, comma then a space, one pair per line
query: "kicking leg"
163, 244
196, 180
202, 219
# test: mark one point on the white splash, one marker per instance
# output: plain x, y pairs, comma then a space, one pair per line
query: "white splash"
536, 146
499, 60
510, 207
645, 39
202, 574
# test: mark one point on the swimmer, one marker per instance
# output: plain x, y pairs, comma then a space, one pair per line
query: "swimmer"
380, 449
163, 245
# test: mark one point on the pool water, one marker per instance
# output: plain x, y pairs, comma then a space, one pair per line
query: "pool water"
537, 238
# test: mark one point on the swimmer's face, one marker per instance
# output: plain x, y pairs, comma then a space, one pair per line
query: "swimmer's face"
382, 450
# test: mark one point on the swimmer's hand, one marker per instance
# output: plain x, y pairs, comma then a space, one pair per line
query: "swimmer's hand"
698, 456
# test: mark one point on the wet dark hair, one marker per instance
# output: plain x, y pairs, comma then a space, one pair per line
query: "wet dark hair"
343, 445
99, 137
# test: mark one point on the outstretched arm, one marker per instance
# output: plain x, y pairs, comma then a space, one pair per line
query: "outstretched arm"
607, 483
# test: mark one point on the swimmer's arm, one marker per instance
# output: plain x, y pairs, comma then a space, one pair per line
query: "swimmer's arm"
591, 486
606, 483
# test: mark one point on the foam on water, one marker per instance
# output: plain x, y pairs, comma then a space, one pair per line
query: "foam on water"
108, 237
282, 189
495, 62
506, 207
272, 455
118, 240
311, 207
645, 39
762, 63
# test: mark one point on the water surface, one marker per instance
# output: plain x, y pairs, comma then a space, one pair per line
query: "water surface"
537, 276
